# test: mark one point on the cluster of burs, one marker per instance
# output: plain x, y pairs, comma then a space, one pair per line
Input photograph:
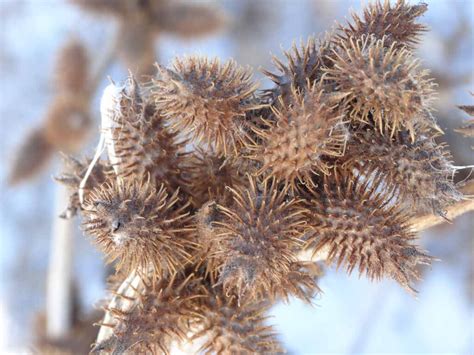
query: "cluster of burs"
217, 199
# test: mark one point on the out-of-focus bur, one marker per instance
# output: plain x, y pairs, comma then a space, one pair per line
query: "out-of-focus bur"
72, 68
207, 100
31, 158
142, 22
67, 123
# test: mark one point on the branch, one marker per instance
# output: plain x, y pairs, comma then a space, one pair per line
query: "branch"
59, 281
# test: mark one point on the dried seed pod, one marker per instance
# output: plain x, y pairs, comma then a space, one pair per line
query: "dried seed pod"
395, 22
364, 230
68, 123
139, 226
304, 64
255, 239
72, 68
211, 174
72, 176
207, 99
420, 171
302, 138
232, 328
383, 83
161, 314
32, 157
143, 144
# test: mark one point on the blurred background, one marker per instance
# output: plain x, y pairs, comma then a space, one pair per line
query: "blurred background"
351, 315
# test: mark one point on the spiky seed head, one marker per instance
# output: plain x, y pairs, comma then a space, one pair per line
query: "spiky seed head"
395, 22
383, 83
230, 327
254, 241
72, 175
211, 174
72, 68
302, 137
207, 100
420, 171
304, 64
161, 314
68, 123
362, 229
144, 144
139, 226
32, 157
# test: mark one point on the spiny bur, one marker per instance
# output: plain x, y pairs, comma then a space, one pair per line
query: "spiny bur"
254, 240
303, 64
161, 314
302, 136
420, 171
397, 23
144, 144
230, 327
386, 84
211, 174
207, 100
139, 226
361, 229
74, 172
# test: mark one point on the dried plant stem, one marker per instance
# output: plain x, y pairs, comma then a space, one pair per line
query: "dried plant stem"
59, 283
